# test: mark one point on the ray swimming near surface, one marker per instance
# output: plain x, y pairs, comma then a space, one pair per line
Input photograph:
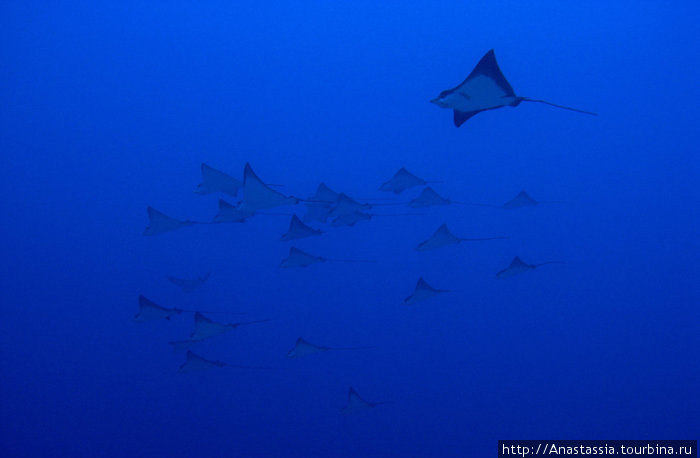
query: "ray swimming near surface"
299, 258
518, 266
356, 403
299, 230
444, 237
259, 196
214, 180
485, 89
303, 348
401, 181
188, 284
422, 292
196, 363
205, 328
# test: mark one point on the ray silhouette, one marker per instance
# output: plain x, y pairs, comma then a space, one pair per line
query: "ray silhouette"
259, 196
149, 311
402, 180
443, 237
299, 230
304, 348
344, 205
485, 89
428, 198
196, 363
188, 284
356, 403
523, 199
319, 206
422, 292
205, 328
229, 213
160, 223
299, 258
518, 266
214, 180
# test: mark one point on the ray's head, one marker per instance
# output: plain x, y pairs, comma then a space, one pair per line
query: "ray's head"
441, 100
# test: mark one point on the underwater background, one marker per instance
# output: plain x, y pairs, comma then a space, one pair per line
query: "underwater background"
109, 107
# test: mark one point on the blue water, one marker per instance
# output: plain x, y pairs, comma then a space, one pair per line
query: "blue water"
108, 107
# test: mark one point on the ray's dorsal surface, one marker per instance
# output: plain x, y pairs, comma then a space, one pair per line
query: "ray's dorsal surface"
149, 310
299, 258
196, 363
522, 199
259, 196
517, 266
160, 223
356, 403
443, 237
303, 348
484, 89
299, 230
401, 181
319, 206
214, 180
229, 213
188, 284
205, 328
422, 292
428, 198
345, 205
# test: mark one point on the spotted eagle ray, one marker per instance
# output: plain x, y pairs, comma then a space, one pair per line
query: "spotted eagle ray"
196, 363
401, 181
345, 204
299, 230
319, 206
299, 258
259, 196
485, 89
160, 223
356, 403
518, 266
188, 284
149, 310
214, 180
304, 348
205, 328
229, 213
423, 291
523, 199
443, 237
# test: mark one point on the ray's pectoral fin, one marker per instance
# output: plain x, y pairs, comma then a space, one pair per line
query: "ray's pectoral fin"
460, 117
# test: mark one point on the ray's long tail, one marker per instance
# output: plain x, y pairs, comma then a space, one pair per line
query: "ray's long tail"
527, 99
549, 262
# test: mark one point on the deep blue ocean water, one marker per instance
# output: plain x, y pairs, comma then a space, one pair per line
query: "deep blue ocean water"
109, 107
